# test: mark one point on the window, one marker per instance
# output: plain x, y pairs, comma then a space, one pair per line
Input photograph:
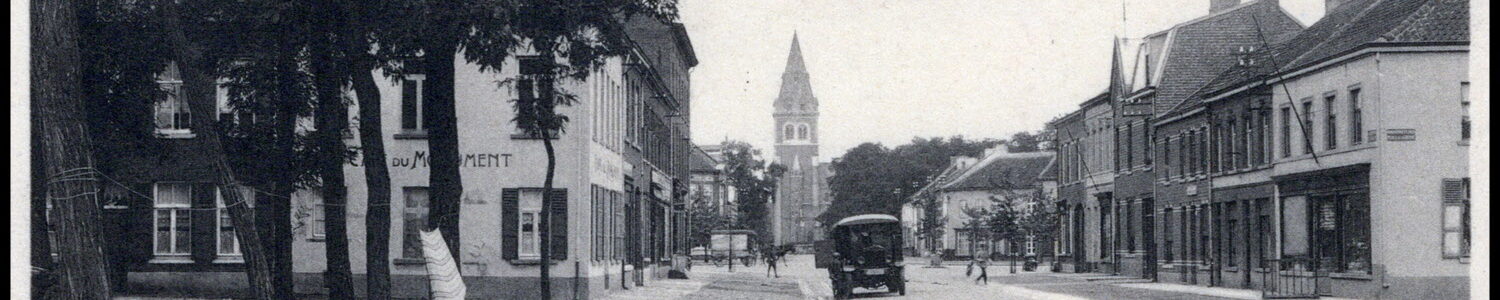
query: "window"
412, 103
1455, 218
1331, 127
227, 243
1356, 119
1463, 98
1231, 229
533, 85
317, 226
1129, 147
1203, 150
1340, 232
1286, 132
172, 215
802, 132
1166, 230
171, 113
1307, 126
528, 227
413, 220
1263, 133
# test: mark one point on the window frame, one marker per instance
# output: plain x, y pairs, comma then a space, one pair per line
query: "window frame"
418, 122
1356, 116
171, 89
1465, 123
173, 254
1330, 121
406, 225
221, 212
535, 211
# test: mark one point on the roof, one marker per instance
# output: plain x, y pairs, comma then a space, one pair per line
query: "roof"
1049, 173
867, 219
1015, 170
942, 178
699, 160
1352, 26
1199, 50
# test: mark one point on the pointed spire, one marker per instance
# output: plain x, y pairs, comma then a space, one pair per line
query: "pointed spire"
796, 91
794, 58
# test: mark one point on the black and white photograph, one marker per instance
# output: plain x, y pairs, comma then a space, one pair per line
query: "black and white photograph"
749, 149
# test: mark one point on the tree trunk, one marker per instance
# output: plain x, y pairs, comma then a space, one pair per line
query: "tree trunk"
439, 112
71, 183
377, 180
200, 95
275, 224
43, 275
361, 66
546, 218
331, 118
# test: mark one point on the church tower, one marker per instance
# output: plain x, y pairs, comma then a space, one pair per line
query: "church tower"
802, 191
796, 115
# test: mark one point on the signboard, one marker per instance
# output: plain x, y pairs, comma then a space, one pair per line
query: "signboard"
1401, 135
606, 168
467, 160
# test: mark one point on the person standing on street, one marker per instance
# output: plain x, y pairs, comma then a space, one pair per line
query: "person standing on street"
983, 263
771, 258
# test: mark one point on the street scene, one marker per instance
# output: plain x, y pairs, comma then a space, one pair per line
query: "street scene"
752, 149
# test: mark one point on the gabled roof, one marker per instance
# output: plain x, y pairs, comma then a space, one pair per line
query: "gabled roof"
1007, 170
942, 178
699, 160
1198, 51
1352, 26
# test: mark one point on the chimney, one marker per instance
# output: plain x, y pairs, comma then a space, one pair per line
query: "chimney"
1216, 6
1330, 5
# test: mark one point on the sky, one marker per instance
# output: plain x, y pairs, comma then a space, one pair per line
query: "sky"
887, 71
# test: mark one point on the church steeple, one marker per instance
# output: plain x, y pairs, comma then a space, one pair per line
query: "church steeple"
796, 95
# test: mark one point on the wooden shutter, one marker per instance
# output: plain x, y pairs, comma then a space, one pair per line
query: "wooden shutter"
509, 214
1453, 190
558, 206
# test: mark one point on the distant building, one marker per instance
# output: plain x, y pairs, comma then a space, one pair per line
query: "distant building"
708, 183
802, 194
971, 183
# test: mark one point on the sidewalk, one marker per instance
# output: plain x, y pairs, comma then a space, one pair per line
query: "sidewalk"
1205, 291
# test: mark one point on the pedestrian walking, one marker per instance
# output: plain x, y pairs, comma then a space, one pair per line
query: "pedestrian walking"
771, 258
984, 274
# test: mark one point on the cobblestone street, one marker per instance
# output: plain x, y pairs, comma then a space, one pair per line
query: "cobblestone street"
800, 280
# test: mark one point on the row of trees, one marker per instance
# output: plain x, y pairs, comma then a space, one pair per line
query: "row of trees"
281, 61
871, 178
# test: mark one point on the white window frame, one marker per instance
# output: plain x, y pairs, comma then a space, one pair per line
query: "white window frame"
529, 206
173, 255
236, 255
173, 88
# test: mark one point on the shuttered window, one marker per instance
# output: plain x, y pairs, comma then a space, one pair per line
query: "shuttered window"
1455, 196
521, 223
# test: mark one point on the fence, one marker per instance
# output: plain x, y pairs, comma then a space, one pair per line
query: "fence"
1291, 278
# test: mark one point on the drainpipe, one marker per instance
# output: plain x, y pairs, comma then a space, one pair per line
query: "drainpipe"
575, 280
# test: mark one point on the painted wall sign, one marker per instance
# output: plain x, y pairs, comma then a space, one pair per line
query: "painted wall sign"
1400, 135
606, 168
470, 160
